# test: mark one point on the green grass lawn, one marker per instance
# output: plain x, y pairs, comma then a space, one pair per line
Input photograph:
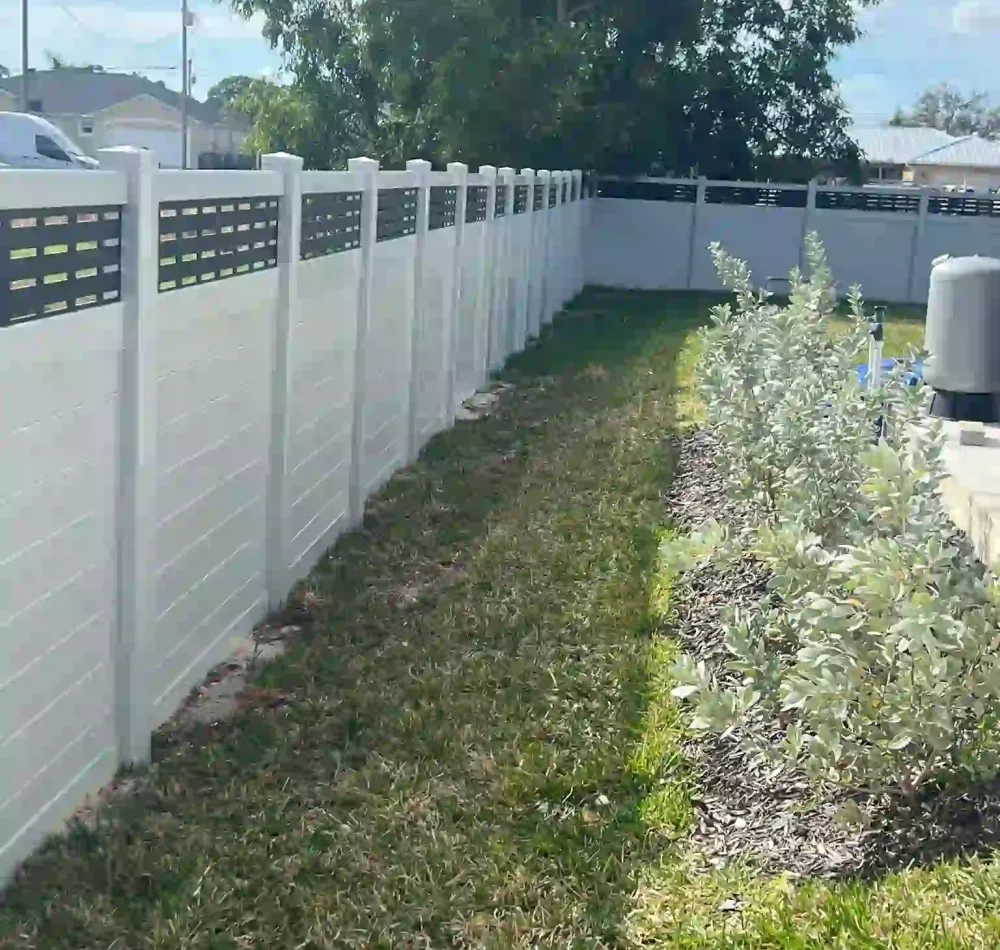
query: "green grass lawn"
475, 745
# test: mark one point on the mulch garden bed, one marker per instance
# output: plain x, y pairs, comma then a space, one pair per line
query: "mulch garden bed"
746, 809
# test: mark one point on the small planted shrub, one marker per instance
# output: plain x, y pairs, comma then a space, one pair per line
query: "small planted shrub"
874, 662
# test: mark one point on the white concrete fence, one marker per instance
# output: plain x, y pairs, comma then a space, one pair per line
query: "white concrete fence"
203, 376
655, 233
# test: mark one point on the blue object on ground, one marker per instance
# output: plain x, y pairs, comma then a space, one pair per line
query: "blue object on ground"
914, 370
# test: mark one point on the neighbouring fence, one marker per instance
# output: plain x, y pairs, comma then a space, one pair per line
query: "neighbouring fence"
204, 376
655, 233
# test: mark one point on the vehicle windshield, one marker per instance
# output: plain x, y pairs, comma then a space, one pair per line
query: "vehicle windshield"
64, 141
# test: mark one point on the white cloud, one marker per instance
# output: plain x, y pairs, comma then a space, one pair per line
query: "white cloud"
974, 17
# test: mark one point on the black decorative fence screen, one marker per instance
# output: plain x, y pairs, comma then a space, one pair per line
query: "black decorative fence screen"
53, 260
501, 202
331, 223
443, 202
214, 238
520, 199
397, 213
476, 204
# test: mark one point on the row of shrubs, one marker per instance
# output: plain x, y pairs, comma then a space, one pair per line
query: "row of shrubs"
874, 662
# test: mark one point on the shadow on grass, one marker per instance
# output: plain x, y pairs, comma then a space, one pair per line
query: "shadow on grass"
468, 748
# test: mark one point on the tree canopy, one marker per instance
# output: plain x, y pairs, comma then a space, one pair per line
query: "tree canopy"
737, 88
945, 107
225, 94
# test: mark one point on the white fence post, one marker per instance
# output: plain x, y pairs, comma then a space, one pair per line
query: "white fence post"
504, 267
460, 175
807, 223
136, 512
289, 241
560, 257
699, 203
576, 186
541, 249
487, 289
526, 260
918, 240
368, 168
421, 169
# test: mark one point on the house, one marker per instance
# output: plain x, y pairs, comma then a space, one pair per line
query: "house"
968, 162
887, 150
929, 157
98, 110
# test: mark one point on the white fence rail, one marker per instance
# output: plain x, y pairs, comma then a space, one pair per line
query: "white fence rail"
205, 374
655, 233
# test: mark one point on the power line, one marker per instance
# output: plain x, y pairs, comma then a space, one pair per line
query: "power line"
112, 39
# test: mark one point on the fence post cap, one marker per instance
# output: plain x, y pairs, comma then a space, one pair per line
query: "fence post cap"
281, 161
419, 165
127, 156
368, 165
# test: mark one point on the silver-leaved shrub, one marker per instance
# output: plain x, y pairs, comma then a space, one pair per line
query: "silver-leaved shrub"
874, 661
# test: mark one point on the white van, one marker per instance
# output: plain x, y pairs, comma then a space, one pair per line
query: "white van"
29, 141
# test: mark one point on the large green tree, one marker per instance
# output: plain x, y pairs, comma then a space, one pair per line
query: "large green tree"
947, 108
722, 87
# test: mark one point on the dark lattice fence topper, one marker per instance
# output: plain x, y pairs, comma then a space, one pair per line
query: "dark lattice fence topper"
500, 206
476, 204
538, 198
331, 223
520, 199
397, 213
210, 239
55, 260
442, 207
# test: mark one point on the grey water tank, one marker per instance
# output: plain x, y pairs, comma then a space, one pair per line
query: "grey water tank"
963, 339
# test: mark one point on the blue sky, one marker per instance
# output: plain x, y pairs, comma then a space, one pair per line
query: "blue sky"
907, 45
131, 35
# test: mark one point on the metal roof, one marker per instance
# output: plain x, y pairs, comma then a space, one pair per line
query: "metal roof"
969, 152
897, 145
73, 91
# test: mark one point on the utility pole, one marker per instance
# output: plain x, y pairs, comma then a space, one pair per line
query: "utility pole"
185, 85
24, 55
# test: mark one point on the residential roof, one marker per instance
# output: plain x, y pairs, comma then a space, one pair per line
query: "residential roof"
970, 152
74, 91
898, 145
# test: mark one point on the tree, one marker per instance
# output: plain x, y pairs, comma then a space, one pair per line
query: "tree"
225, 94
726, 87
59, 62
295, 119
946, 108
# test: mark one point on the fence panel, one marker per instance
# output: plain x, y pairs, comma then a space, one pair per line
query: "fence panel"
214, 313
437, 290
739, 217
59, 383
322, 366
387, 359
204, 376
473, 318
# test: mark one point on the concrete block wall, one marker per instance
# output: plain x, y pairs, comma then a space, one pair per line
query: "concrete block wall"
204, 376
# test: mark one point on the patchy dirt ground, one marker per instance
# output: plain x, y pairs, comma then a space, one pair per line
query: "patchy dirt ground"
749, 811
